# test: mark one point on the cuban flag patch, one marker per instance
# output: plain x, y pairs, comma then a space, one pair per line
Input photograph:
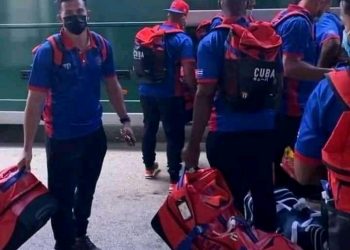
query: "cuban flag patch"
199, 73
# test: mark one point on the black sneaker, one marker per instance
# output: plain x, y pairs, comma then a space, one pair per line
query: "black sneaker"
84, 243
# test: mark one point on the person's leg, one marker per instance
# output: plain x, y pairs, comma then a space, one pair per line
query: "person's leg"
89, 172
63, 162
151, 125
173, 120
260, 164
224, 153
286, 132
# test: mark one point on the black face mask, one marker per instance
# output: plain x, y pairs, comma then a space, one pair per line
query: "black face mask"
75, 24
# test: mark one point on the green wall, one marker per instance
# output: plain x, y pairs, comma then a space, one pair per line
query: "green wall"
17, 40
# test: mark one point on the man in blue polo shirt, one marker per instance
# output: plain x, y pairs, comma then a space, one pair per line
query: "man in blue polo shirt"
64, 86
329, 32
239, 143
296, 27
165, 101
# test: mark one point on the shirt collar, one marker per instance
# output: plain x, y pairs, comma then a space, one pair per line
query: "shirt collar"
242, 20
69, 44
172, 25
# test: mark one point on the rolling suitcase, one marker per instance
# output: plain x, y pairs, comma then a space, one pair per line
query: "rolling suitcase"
25, 207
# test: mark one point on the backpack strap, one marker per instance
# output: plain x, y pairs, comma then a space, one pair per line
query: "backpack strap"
101, 45
282, 16
223, 26
339, 80
57, 47
174, 31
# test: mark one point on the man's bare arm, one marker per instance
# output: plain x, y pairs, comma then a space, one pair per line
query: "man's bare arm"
32, 114
308, 175
189, 73
201, 112
330, 53
115, 95
297, 69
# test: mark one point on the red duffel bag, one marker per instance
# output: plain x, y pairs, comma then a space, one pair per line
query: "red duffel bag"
25, 207
199, 215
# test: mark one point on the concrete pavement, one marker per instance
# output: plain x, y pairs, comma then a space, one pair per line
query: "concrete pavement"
124, 201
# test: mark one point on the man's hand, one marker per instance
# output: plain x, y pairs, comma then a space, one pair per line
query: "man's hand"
190, 156
25, 160
128, 134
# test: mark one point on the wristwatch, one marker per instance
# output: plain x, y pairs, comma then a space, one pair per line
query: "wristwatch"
125, 119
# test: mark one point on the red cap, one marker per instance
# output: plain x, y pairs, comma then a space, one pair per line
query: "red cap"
179, 6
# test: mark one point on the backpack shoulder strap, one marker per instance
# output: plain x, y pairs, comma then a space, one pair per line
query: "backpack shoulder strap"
223, 26
101, 44
340, 82
281, 17
57, 47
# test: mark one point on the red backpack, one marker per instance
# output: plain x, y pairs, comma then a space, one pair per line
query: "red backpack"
250, 69
199, 214
336, 152
150, 53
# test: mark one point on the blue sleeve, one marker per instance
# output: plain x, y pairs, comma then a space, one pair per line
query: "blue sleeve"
326, 29
108, 69
41, 74
187, 49
208, 61
294, 33
311, 137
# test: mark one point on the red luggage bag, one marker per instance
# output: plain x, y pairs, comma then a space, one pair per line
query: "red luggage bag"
200, 215
25, 207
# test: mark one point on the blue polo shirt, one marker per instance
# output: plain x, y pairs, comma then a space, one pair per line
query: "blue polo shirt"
329, 26
179, 48
210, 65
73, 107
321, 115
298, 37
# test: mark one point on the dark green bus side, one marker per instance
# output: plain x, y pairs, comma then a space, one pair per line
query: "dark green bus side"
26, 23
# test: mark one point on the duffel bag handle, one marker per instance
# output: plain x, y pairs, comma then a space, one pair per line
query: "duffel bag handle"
13, 179
187, 169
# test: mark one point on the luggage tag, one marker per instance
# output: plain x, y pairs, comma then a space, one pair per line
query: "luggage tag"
184, 209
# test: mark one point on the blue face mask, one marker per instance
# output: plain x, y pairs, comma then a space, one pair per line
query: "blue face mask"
346, 42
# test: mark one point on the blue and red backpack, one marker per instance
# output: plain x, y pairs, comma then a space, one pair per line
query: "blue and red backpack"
150, 54
336, 156
250, 81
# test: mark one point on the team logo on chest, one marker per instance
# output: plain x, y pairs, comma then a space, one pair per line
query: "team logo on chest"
67, 66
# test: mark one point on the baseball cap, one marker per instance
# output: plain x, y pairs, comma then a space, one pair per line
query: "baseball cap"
179, 6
